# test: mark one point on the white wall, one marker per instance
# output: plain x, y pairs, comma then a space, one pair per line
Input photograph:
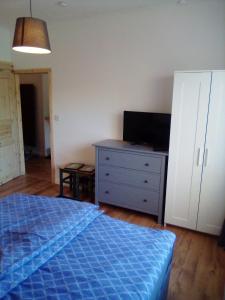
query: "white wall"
108, 63
5, 45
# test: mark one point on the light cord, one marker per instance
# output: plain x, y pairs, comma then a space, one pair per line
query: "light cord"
31, 9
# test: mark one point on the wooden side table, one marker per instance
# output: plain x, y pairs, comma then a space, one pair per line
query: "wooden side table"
73, 177
90, 177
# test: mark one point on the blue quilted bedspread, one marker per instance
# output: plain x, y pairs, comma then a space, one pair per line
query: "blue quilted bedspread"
52, 248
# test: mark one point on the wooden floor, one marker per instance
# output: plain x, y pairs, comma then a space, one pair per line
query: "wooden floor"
199, 264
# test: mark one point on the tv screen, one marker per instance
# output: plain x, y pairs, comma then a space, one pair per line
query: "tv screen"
147, 128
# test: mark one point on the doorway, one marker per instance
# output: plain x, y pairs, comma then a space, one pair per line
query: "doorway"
35, 92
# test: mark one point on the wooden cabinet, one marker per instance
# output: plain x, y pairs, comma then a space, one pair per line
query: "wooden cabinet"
195, 195
130, 176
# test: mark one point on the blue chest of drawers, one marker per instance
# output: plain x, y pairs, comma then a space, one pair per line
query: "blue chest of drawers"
130, 176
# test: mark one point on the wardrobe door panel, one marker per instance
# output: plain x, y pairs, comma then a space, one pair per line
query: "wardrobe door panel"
187, 138
212, 199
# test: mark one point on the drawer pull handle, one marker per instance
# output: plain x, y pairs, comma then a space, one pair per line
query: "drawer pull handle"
147, 164
106, 174
146, 181
107, 158
145, 200
106, 192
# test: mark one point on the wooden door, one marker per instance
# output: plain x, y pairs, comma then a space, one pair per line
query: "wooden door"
11, 165
187, 139
212, 199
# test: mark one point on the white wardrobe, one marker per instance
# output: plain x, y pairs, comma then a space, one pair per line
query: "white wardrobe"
195, 196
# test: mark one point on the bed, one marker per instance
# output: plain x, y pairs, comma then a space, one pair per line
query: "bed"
54, 248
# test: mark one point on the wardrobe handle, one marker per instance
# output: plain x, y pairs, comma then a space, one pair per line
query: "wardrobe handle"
206, 157
199, 157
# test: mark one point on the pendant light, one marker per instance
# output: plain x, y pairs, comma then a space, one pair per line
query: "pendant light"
31, 35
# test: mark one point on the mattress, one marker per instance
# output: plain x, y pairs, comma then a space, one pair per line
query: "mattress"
53, 248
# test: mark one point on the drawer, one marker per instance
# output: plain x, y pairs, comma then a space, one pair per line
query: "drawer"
139, 179
127, 160
129, 197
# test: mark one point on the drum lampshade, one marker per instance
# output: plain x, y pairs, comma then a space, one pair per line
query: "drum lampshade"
31, 36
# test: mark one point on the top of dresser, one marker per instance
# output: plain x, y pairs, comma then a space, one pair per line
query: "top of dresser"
122, 145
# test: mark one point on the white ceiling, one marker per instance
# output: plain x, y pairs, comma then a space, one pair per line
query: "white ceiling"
49, 10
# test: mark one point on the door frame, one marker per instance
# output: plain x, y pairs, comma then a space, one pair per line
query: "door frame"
47, 71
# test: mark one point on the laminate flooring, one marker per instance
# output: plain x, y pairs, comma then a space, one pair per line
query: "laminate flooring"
198, 271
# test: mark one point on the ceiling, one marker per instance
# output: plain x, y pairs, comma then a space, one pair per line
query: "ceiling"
51, 11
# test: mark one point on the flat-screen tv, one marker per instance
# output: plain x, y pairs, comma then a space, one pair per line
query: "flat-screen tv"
147, 128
